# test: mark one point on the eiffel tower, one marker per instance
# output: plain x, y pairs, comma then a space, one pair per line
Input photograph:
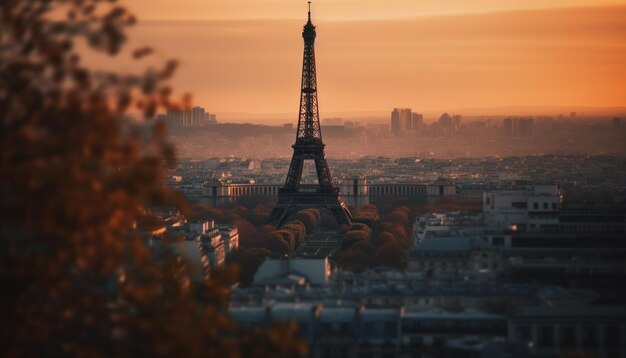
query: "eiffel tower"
294, 196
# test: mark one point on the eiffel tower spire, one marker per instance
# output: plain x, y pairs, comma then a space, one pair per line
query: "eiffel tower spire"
294, 196
309, 121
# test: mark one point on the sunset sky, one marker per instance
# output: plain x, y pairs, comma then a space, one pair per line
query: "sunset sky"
242, 58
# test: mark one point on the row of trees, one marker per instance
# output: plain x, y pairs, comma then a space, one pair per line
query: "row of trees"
381, 234
376, 241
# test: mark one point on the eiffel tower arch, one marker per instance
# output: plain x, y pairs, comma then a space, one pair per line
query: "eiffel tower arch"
294, 196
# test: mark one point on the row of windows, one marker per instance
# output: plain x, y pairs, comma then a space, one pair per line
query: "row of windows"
374, 190
545, 206
524, 205
254, 190
398, 190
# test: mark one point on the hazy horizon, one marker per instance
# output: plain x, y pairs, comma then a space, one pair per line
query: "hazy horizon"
561, 59
429, 116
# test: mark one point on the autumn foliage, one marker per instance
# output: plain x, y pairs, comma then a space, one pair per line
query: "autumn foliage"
77, 279
376, 241
258, 240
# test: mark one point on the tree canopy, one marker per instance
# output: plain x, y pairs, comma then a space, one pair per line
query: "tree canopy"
76, 179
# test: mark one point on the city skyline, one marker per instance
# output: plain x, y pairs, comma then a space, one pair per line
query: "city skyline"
524, 58
458, 190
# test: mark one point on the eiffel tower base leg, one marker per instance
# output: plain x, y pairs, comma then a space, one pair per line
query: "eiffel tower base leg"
288, 205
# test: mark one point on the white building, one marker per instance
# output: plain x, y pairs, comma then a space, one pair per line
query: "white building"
297, 271
524, 209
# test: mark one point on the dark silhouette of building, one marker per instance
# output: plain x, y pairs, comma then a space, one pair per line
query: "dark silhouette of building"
294, 196
189, 117
518, 127
401, 121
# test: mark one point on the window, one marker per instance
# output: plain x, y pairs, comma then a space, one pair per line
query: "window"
545, 206
498, 241
553, 206
519, 205
535, 206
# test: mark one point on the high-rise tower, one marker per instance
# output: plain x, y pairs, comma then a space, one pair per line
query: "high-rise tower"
294, 196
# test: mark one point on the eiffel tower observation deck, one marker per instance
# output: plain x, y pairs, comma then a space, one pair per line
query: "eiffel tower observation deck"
294, 196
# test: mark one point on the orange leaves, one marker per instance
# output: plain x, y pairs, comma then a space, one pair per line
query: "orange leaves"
77, 175
385, 244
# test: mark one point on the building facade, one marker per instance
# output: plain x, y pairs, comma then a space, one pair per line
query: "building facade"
524, 209
354, 191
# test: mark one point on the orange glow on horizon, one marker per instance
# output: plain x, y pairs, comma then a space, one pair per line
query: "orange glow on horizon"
476, 58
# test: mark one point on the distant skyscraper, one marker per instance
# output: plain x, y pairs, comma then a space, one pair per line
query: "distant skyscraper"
408, 120
525, 127
395, 122
175, 117
418, 122
456, 124
401, 121
518, 127
187, 118
197, 116
446, 124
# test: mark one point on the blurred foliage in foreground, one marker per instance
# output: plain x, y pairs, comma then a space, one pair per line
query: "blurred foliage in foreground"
76, 278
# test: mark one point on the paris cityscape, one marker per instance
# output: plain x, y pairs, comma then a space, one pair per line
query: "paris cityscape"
464, 195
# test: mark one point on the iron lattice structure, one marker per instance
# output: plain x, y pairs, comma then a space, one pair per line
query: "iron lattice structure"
294, 196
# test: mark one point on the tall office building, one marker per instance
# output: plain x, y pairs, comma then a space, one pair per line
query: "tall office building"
518, 127
395, 122
196, 116
525, 127
418, 122
408, 120
401, 121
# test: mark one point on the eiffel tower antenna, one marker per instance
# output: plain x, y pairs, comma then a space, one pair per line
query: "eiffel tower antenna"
294, 196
